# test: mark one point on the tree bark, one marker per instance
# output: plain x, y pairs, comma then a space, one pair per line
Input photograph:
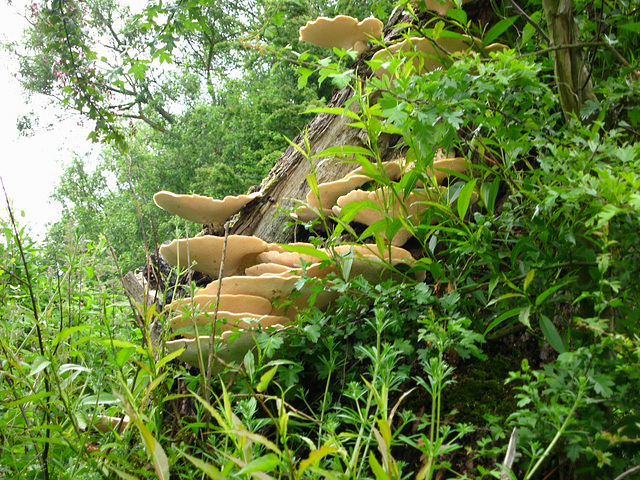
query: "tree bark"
287, 181
572, 75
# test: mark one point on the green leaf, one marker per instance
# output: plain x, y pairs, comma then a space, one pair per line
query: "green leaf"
550, 291
497, 30
101, 399
464, 199
124, 355
314, 457
501, 318
551, 334
39, 364
304, 77
458, 15
376, 468
306, 250
523, 316
29, 398
209, 470
170, 357
633, 27
265, 379
66, 367
66, 332
266, 463
528, 279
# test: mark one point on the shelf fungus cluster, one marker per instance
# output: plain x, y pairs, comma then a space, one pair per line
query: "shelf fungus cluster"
383, 202
260, 288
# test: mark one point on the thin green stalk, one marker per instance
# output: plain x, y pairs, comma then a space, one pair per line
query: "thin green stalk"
559, 433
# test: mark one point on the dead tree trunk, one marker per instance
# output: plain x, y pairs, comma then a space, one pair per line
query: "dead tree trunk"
287, 180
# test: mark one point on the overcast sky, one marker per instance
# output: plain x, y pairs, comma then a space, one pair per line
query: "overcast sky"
30, 166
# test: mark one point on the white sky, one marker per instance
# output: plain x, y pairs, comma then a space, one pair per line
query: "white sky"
30, 166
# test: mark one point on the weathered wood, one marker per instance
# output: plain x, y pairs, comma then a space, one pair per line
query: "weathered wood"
287, 180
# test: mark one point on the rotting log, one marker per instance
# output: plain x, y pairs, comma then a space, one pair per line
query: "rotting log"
287, 181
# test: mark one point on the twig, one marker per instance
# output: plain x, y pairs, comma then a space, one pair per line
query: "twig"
628, 472
554, 48
530, 20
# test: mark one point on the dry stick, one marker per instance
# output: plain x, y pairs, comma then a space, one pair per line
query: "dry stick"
153, 230
45, 450
215, 313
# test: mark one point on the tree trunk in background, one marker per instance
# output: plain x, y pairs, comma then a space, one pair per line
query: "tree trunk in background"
572, 75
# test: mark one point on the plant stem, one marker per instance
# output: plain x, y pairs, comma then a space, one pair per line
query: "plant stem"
559, 433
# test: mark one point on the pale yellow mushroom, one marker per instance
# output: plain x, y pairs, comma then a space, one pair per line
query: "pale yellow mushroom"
234, 303
206, 252
341, 32
203, 210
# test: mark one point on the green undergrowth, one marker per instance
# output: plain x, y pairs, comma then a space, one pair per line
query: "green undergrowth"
525, 330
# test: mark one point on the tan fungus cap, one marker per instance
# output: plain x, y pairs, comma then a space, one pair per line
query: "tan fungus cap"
203, 210
342, 32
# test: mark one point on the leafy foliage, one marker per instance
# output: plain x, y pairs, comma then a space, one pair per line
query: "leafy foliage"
529, 313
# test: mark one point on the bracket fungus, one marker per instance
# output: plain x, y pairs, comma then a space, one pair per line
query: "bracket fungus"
206, 252
341, 32
385, 204
203, 210
226, 321
232, 347
440, 169
233, 303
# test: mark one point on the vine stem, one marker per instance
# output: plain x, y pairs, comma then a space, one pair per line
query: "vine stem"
559, 433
